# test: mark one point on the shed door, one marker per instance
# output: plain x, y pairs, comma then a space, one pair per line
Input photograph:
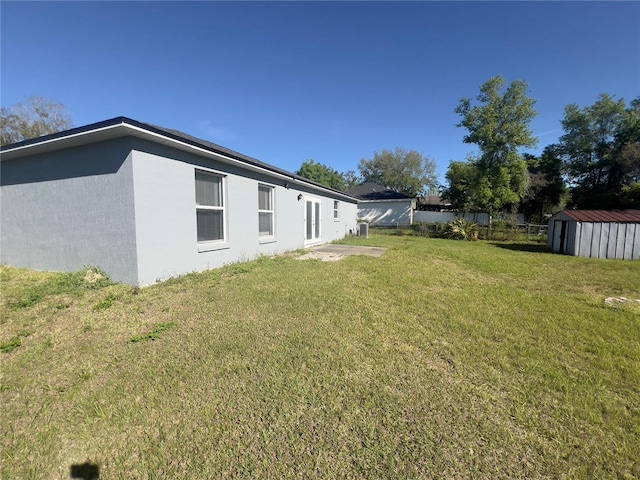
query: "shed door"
563, 237
560, 234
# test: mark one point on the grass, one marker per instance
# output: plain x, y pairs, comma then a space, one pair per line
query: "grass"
441, 359
154, 334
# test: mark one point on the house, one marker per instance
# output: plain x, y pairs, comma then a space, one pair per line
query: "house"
383, 207
146, 203
596, 233
433, 203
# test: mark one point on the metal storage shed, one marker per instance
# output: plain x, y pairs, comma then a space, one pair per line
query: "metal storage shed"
596, 233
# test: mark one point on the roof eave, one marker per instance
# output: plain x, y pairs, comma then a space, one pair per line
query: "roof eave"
122, 126
385, 200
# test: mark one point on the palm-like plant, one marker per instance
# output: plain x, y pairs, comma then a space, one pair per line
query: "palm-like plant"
461, 229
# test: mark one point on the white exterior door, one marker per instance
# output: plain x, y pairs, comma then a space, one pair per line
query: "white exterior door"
312, 216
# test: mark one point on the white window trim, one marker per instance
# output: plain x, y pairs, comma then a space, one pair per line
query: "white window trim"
336, 209
268, 238
221, 244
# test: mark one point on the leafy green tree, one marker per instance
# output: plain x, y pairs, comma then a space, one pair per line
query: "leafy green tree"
630, 196
321, 174
462, 179
34, 117
351, 180
407, 172
499, 125
601, 151
547, 191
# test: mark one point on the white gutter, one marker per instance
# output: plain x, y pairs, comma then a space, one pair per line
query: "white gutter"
52, 140
209, 153
142, 132
240, 163
390, 200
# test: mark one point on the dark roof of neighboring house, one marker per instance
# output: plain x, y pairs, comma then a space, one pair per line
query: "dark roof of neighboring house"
432, 200
10, 150
373, 191
629, 216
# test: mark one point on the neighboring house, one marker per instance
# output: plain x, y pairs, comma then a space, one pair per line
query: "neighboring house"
433, 203
145, 203
380, 206
596, 233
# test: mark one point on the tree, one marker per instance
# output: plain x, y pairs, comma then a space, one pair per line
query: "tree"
351, 180
547, 191
407, 172
630, 196
321, 174
34, 117
499, 126
601, 151
462, 179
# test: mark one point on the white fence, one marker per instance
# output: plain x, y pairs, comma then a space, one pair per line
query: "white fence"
479, 218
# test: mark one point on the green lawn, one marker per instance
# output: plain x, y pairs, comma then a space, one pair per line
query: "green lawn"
441, 359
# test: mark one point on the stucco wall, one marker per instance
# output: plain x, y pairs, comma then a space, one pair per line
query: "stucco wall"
71, 208
166, 214
128, 206
381, 213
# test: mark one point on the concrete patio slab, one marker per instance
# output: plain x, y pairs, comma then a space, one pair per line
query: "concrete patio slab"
332, 253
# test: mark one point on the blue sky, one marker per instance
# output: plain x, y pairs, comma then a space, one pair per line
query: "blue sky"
332, 81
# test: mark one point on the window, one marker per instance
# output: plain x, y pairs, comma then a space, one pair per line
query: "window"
209, 207
336, 210
265, 211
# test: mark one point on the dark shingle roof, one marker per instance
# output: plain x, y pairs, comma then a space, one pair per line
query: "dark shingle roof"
373, 191
624, 216
166, 132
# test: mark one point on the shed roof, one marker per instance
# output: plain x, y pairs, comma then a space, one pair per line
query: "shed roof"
623, 216
120, 126
373, 191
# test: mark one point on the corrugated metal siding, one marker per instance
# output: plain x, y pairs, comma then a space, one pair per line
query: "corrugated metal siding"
620, 240
607, 240
585, 239
632, 244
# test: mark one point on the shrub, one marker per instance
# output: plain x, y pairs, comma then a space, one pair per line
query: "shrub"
461, 229
421, 229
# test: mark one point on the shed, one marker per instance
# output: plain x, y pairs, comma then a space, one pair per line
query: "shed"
146, 203
596, 233
383, 207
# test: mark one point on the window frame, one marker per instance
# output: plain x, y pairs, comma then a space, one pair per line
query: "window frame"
212, 244
336, 210
267, 237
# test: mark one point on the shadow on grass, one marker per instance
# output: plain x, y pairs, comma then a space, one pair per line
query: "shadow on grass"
85, 471
522, 247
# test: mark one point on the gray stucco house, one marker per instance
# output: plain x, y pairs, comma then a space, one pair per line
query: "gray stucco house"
146, 203
383, 207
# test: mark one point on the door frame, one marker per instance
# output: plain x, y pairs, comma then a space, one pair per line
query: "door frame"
316, 220
560, 235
